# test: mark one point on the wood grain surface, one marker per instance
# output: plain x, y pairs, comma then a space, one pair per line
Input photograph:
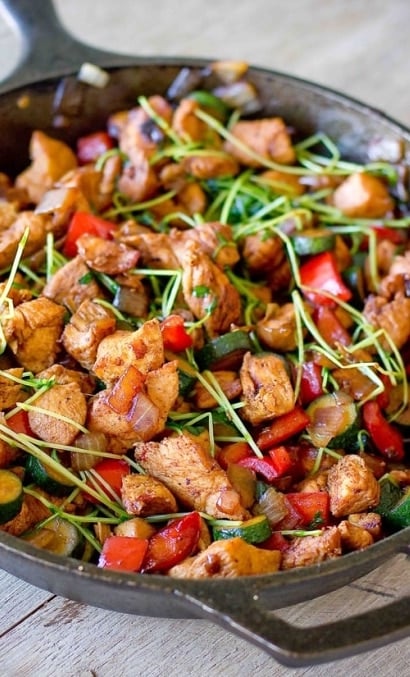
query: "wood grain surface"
361, 47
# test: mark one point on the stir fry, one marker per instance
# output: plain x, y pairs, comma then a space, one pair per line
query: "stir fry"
204, 340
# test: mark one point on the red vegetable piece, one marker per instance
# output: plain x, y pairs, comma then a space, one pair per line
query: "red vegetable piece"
281, 460
385, 437
121, 397
383, 398
282, 428
19, 422
311, 385
293, 519
174, 334
262, 466
124, 553
313, 506
173, 543
233, 453
275, 542
81, 223
90, 147
330, 327
111, 472
320, 273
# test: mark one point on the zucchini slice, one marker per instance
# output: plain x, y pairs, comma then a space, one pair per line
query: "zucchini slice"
335, 421
11, 495
313, 241
390, 494
255, 530
47, 478
224, 352
58, 536
399, 516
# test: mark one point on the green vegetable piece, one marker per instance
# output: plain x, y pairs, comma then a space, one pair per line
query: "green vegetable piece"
399, 515
224, 352
58, 536
313, 241
255, 530
336, 429
11, 495
46, 478
210, 103
390, 494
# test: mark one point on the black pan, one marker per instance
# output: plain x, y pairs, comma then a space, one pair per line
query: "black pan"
44, 93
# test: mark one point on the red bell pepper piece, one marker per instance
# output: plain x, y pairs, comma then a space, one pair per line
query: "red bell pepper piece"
313, 506
111, 471
173, 543
270, 467
330, 327
121, 397
282, 460
90, 147
293, 519
311, 383
124, 553
174, 334
19, 423
282, 428
320, 273
81, 223
386, 438
383, 398
233, 453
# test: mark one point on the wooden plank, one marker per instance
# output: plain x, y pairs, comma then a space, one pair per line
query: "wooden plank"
18, 600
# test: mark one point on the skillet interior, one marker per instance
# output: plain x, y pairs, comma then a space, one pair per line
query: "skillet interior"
307, 108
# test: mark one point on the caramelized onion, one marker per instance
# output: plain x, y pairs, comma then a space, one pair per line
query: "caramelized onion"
86, 442
228, 502
272, 504
144, 416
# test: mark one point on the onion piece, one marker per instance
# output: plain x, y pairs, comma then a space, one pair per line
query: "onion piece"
241, 95
90, 442
272, 504
144, 416
229, 71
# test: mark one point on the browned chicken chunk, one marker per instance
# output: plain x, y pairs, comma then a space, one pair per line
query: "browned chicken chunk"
138, 180
392, 316
32, 511
309, 550
266, 386
210, 166
186, 467
362, 195
277, 330
10, 390
10, 238
144, 495
104, 256
353, 536
81, 337
230, 384
63, 402
33, 333
215, 239
352, 486
228, 559
268, 138
71, 285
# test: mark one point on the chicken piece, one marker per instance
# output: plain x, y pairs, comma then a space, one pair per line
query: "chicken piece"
63, 402
220, 303
228, 559
277, 330
370, 521
392, 316
87, 327
109, 177
185, 466
362, 195
105, 256
162, 386
37, 226
10, 391
266, 386
354, 383
143, 348
186, 124
138, 180
155, 250
215, 239
352, 486
228, 381
59, 204
33, 333
64, 376
140, 131
190, 199
397, 277
353, 536
282, 182
71, 285
32, 512
309, 550
173, 176
143, 495
280, 278
267, 137
261, 254
87, 180
51, 159
317, 482
210, 166
8, 214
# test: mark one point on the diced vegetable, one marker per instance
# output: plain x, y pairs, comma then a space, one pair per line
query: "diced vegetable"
59, 536
11, 495
320, 274
106, 475
172, 543
390, 494
262, 466
124, 390
47, 478
174, 334
90, 147
311, 384
386, 438
19, 422
399, 516
233, 453
314, 507
123, 553
334, 421
82, 223
313, 241
272, 504
283, 428
330, 327
253, 531
224, 352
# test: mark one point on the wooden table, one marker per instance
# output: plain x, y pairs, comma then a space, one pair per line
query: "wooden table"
360, 47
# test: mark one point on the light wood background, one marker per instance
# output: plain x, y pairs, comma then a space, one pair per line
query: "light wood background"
361, 47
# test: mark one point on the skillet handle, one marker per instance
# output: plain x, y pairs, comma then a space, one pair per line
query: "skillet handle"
244, 612
47, 48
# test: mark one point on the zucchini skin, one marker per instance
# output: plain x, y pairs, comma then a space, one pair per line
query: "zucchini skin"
11, 495
224, 352
45, 479
255, 530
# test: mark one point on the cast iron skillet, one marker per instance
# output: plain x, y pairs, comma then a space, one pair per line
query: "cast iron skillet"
44, 93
